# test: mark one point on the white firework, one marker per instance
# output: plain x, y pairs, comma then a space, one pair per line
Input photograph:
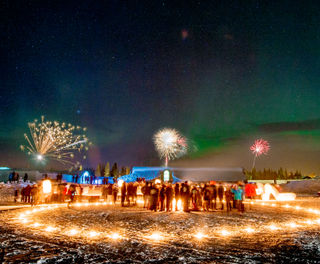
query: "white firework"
170, 144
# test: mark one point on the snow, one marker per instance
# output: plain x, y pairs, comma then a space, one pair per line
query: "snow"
26, 244
302, 187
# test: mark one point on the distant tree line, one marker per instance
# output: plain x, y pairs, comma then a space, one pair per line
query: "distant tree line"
269, 174
104, 170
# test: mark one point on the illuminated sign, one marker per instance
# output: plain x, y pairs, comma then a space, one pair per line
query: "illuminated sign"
166, 175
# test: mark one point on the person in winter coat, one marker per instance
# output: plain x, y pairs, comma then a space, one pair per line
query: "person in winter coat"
109, 193
229, 196
185, 195
162, 197
123, 193
22, 195
34, 195
104, 192
214, 197
238, 196
194, 198
250, 192
114, 193
143, 191
11, 177
27, 193
206, 198
154, 193
61, 192
169, 197
134, 193
71, 194
25, 178
16, 194
221, 194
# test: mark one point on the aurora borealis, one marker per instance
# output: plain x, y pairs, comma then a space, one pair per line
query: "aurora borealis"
222, 73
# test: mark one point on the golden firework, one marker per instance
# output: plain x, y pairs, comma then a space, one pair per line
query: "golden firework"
55, 141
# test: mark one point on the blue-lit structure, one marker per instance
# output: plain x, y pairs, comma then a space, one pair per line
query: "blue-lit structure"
4, 168
87, 177
148, 173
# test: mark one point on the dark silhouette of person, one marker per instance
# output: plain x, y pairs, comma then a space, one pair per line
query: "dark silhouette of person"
162, 197
25, 178
169, 197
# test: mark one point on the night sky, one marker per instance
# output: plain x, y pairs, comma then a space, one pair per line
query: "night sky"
223, 74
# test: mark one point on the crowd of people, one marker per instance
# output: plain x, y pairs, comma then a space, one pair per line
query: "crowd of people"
154, 195
15, 177
188, 196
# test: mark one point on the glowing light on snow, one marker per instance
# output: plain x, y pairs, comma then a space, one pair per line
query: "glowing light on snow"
176, 204
115, 236
157, 181
249, 230
293, 225
36, 225
72, 232
93, 234
120, 183
273, 227
46, 186
224, 232
199, 235
155, 236
21, 216
309, 222
179, 205
50, 229
298, 208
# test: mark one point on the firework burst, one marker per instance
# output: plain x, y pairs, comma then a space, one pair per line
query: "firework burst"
170, 144
259, 147
54, 140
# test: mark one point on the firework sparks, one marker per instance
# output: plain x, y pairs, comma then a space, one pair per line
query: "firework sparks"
170, 144
55, 141
259, 147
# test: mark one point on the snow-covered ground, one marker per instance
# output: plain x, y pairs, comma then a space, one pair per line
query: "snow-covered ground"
225, 237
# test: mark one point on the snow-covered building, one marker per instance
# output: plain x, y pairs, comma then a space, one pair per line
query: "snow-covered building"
147, 173
186, 174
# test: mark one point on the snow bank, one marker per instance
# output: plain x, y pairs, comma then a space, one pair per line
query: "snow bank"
304, 187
